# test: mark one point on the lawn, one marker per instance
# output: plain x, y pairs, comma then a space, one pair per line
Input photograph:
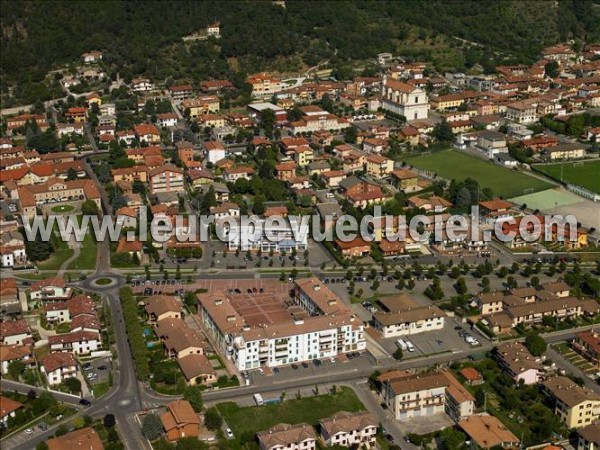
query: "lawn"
581, 173
87, 255
452, 164
61, 253
62, 208
307, 409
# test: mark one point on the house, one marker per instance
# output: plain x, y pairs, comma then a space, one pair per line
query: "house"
8, 409
409, 395
166, 178
518, 363
50, 289
166, 119
77, 114
391, 248
214, 151
78, 342
131, 247
127, 217
361, 193
58, 366
180, 420
565, 151
303, 155
575, 405
333, 178
488, 432
285, 170
141, 85
226, 209
84, 438
197, 369
10, 353
404, 99
179, 340
91, 57
147, 133
489, 302
181, 92
289, 437
235, 173
472, 376
374, 145
14, 332
199, 177
430, 204
316, 119
353, 430
588, 438
405, 180
355, 248
159, 307
587, 344
491, 143
211, 120
379, 166
215, 86
495, 209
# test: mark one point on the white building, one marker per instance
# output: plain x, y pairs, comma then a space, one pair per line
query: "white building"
50, 289
404, 99
58, 367
317, 325
316, 119
214, 151
79, 342
352, 430
284, 436
275, 236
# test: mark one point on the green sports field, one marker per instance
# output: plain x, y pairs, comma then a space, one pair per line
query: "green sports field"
452, 164
586, 174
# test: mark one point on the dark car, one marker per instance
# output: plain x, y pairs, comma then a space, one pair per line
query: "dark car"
42, 426
305, 365
276, 369
295, 366
350, 356
458, 328
102, 367
317, 362
85, 402
389, 437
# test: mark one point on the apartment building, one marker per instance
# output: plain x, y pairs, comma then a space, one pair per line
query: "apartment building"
379, 166
409, 395
264, 85
576, 406
166, 178
78, 342
197, 107
289, 437
488, 432
316, 119
565, 151
50, 289
405, 180
402, 316
518, 363
588, 438
352, 430
276, 237
263, 325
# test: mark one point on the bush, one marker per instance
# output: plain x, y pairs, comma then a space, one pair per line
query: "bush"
212, 419
151, 426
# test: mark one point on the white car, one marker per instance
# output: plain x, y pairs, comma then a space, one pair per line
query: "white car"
229, 433
28, 431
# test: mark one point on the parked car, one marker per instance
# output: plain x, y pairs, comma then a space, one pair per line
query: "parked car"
85, 402
28, 431
229, 433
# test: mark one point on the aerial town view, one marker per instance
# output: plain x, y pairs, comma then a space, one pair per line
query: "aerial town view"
299, 225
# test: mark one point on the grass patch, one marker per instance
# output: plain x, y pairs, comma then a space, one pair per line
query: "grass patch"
584, 173
308, 409
453, 164
62, 208
101, 389
87, 256
103, 281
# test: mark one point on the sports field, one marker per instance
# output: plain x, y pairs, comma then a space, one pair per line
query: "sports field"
584, 173
452, 164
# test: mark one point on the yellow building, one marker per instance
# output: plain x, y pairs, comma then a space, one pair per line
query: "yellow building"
379, 166
575, 405
405, 180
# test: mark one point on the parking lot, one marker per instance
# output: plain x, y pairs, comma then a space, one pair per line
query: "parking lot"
97, 371
153, 287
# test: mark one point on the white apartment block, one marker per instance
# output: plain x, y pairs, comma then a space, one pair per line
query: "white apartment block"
318, 325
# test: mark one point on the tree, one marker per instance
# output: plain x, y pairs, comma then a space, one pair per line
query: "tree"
535, 344
73, 384
212, 419
452, 439
151, 426
258, 206
71, 174
443, 132
190, 443
461, 286
109, 421
535, 282
89, 208
41, 446
194, 396
552, 69
15, 369
398, 354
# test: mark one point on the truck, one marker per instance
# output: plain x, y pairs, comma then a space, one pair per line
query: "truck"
400, 343
258, 399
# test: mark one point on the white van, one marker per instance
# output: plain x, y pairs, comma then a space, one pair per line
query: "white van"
258, 399
410, 346
400, 343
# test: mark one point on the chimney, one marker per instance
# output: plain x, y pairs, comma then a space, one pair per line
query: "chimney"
231, 318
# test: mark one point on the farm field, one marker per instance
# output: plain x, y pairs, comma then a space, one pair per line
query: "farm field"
451, 164
582, 173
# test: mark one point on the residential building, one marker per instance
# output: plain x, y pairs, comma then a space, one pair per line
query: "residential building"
404, 99
178, 339
353, 430
159, 307
401, 315
15, 332
78, 342
405, 180
565, 151
588, 437
488, 432
518, 363
84, 438
180, 420
314, 324
10, 353
587, 344
235, 173
214, 151
197, 370
147, 133
355, 248
409, 395
50, 289
316, 119
492, 143
57, 367
197, 107
264, 85
575, 405
167, 119
8, 409
167, 178
361, 193
379, 166
181, 92
284, 436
